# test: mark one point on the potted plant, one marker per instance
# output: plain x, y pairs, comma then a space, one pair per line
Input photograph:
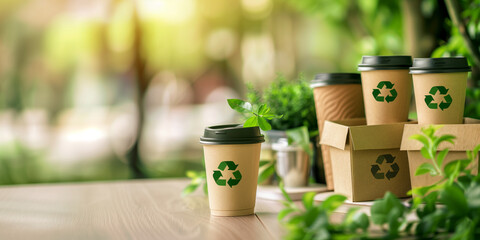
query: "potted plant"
294, 99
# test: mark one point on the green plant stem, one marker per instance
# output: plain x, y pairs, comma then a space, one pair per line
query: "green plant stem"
440, 172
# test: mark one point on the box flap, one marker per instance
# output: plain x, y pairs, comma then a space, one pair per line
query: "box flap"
388, 136
334, 135
467, 135
362, 137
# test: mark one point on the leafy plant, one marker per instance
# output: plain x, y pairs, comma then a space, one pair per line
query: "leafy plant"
293, 99
458, 191
311, 221
256, 116
198, 178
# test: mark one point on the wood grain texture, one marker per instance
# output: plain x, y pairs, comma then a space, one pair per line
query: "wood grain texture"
152, 209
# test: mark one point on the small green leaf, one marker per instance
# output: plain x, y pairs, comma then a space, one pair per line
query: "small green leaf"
264, 109
264, 125
240, 105
425, 153
441, 156
189, 189
475, 151
300, 136
251, 122
362, 221
333, 202
443, 138
262, 163
307, 199
271, 116
421, 138
426, 168
387, 210
284, 212
192, 174
281, 185
266, 173
455, 200
454, 168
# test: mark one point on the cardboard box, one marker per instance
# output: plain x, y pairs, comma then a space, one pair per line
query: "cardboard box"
366, 160
467, 137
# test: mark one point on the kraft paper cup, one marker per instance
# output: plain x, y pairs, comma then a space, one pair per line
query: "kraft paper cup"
440, 87
232, 155
337, 96
387, 88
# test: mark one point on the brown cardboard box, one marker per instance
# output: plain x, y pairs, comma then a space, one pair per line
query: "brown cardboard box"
467, 137
366, 160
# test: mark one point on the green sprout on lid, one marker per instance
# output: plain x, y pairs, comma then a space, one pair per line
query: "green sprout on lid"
256, 116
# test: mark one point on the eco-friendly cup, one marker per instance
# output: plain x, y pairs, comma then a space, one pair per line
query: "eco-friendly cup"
440, 87
232, 155
387, 88
337, 96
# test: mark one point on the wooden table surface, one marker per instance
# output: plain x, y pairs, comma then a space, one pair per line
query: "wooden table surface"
137, 209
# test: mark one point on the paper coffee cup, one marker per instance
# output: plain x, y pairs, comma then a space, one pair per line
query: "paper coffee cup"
440, 87
232, 155
387, 88
337, 96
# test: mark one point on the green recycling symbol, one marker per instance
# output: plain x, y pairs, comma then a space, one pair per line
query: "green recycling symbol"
390, 173
217, 174
390, 97
447, 99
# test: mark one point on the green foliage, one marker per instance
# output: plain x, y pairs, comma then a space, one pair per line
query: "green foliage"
376, 26
257, 116
198, 178
472, 108
293, 99
455, 45
429, 151
458, 191
311, 221
267, 171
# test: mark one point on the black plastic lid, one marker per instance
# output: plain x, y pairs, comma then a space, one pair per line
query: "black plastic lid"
370, 63
325, 79
440, 65
231, 134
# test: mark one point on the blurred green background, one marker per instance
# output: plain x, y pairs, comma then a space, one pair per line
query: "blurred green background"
118, 89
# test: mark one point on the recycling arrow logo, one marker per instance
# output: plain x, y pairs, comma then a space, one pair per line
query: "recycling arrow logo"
447, 99
390, 173
217, 174
390, 97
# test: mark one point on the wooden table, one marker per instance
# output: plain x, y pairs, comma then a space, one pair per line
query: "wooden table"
137, 209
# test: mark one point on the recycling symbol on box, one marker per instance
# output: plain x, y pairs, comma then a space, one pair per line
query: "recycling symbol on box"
447, 99
390, 173
217, 174
390, 97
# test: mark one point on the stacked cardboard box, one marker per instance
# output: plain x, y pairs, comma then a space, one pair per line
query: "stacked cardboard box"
366, 159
